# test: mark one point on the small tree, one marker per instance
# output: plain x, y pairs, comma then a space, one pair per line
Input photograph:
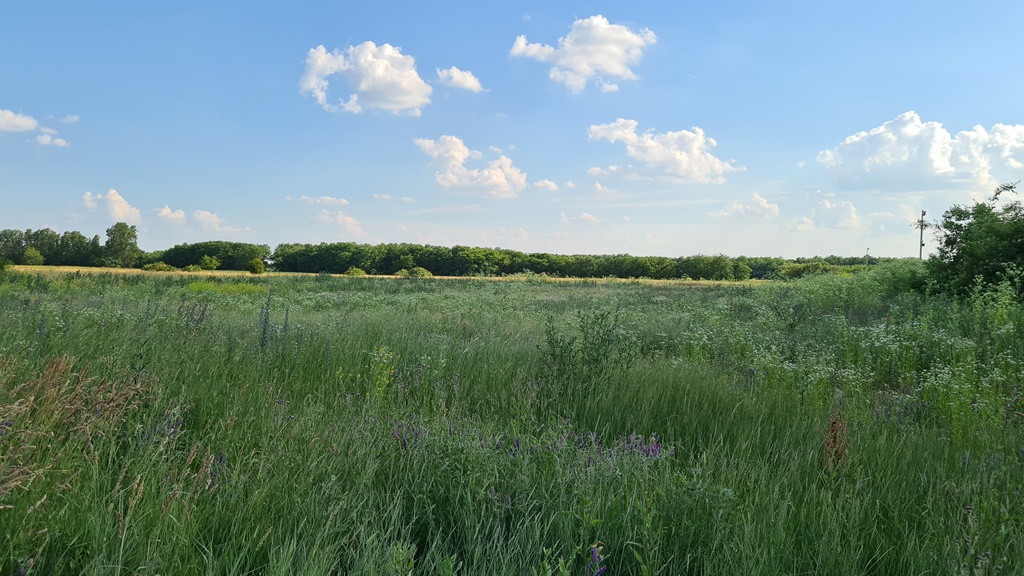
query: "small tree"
4, 263
354, 271
257, 266
209, 262
31, 257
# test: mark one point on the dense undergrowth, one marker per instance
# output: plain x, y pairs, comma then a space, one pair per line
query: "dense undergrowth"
304, 425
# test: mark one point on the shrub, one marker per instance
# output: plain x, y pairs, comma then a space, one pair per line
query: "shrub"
32, 257
403, 273
193, 268
353, 271
159, 267
209, 262
419, 272
257, 266
4, 263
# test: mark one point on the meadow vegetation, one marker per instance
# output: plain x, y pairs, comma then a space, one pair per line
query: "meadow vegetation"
206, 424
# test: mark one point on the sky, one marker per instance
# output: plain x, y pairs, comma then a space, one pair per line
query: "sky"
648, 128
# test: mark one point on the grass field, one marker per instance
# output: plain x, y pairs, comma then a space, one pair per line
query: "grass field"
295, 424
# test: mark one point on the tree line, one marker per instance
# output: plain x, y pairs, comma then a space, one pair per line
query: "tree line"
120, 249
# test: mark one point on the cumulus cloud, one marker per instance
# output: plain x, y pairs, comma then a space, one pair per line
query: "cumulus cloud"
545, 185
570, 184
13, 122
210, 221
382, 196
755, 207
593, 50
328, 200
175, 216
907, 154
379, 77
499, 178
683, 155
463, 79
69, 119
842, 214
118, 208
338, 217
47, 139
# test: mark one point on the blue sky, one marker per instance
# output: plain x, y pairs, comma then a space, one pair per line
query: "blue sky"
787, 128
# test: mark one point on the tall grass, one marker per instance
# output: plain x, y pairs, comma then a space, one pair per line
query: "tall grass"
154, 424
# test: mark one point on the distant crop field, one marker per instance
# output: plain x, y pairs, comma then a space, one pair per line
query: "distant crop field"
231, 423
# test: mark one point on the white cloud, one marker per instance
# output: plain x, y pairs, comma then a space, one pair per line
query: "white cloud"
328, 200
545, 185
685, 155
499, 179
570, 184
49, 140
175, 216
380, 77
841, 214
598, 171
13, 122
49, 131
339, 217
406, 199
382, 196
583, 217
69, 119
756, 207
118, 208
907, 154
593, 50
209, 221
463, 79
801, 224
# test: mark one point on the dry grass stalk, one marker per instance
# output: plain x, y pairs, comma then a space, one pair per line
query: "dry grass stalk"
835, 444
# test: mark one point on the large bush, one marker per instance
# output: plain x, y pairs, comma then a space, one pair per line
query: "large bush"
982, 243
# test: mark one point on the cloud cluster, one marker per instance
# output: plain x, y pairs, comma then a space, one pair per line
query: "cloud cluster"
338, 217
463, 79
593, 50
907, 154
174, 216
545, 185
756, 207
499, 178
380, 78
683, 154
11, 121
585, 217
118, 208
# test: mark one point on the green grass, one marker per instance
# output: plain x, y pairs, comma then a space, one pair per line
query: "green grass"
313, 424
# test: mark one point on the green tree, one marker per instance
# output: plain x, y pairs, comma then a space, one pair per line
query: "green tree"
122, 246
209, 262
257, 266
32, 257
979, 243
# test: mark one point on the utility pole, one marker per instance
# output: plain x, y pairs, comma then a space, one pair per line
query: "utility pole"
921, 225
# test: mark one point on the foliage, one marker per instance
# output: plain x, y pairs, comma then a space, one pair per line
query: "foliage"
159, 267
193, 268
354, 271
122, 246
257, 266
4, 263
208, 262
31, 257
232, 255
982, 243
